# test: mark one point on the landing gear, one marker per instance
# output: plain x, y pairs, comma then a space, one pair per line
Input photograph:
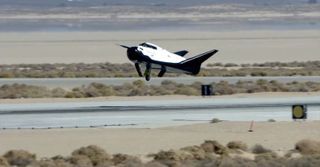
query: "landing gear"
148, 77
162, 71
147, 72
137, 65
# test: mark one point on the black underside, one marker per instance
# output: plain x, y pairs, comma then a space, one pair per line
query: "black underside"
189, 66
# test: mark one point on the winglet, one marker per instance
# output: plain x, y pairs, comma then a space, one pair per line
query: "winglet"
193, 64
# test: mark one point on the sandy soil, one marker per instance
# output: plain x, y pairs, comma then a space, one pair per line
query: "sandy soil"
238, 47
90, 47
279, 136
168, 97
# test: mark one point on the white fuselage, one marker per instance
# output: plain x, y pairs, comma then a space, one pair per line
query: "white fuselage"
156, 53
154, 57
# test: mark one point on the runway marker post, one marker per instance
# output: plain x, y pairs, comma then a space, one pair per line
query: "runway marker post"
206, 90
251, 126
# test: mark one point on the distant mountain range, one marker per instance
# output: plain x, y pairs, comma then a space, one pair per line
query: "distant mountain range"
168, 3
101, 15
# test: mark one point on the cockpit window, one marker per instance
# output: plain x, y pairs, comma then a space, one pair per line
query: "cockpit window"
148, 46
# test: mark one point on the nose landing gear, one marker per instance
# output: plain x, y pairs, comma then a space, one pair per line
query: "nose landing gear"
147, 72
138, 69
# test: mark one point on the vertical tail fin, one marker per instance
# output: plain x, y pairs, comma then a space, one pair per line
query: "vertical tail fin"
181, 53
193, 64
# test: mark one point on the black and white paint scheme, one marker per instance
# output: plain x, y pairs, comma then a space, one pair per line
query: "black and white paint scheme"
155, 57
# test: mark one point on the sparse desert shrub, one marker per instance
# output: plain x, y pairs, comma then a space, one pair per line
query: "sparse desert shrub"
231, 65
209, 161
96, 154
132, 162
58, 157
139, 88
154, 164
119, 158
187, 90
271, 120
19, 158
160, 90
223, 88
3, 162
305, 161
125, 159
128, 70
292, 154
190, 163
236, 162
237, 145
74, 94
80, 161
270, 160
6, 75
52, 163
212, 146
46, 163
173, 155
270, 156
215, 64
58, 92
196, 151
97, 90
192, 156
215, 120
23, 91
308, 146
171, 158
258, 73
62, 163
259, 149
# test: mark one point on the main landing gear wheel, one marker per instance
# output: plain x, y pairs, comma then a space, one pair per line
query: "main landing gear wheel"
147, 73
147, 77
162, 71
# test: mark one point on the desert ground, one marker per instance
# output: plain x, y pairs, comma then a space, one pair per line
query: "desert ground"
274, 33
278, 136
90, 47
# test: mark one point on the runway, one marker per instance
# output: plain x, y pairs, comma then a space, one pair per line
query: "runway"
69, 83
151, 113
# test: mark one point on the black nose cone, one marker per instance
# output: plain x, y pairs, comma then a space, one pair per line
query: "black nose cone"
133, 54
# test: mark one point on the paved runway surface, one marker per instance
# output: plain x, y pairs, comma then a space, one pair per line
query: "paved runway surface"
151, 113
74, 82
